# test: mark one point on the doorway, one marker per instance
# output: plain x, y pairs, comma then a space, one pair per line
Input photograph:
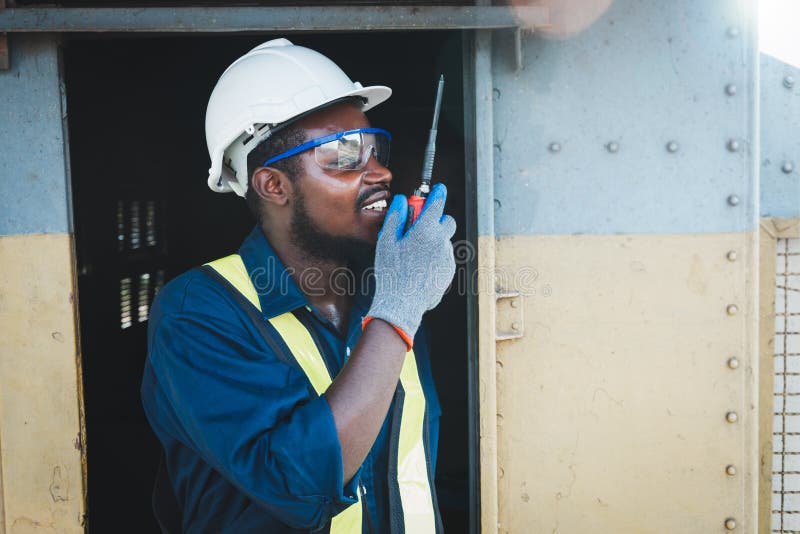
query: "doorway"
143, 214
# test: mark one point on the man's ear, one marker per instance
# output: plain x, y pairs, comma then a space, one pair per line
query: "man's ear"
272, 185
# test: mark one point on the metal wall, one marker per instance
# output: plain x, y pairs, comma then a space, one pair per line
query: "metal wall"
626, 191
40, 413
645, 75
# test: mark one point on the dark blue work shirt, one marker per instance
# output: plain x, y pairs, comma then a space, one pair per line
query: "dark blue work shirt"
249, 446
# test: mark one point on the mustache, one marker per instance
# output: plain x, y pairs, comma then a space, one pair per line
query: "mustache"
368, 193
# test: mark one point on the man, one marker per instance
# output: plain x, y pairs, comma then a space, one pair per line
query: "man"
290, 383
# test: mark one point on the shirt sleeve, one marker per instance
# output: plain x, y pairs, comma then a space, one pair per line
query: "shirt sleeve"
252, 417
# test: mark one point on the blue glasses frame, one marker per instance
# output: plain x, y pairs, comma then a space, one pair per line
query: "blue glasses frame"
321, 141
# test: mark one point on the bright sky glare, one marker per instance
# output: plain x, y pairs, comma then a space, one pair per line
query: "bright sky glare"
777, 29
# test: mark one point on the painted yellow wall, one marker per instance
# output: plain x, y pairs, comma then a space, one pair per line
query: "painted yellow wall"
611, 410
40, 414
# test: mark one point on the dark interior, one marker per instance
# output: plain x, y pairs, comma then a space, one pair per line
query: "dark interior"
143, 214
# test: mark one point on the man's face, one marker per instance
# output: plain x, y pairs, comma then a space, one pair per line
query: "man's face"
329, 220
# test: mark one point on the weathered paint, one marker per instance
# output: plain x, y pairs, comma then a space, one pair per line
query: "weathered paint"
646, 73
40, 413
780, 144
612, 408
34, 189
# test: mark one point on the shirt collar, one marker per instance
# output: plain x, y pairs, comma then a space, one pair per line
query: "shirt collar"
277, 291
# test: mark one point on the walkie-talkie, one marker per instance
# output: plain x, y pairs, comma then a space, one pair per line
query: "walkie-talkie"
417, 199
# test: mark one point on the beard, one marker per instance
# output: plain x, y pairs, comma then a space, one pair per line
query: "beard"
319, 245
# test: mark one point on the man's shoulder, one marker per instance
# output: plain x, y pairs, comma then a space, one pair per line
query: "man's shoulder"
193, 292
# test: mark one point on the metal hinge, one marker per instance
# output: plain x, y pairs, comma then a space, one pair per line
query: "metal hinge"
509, 322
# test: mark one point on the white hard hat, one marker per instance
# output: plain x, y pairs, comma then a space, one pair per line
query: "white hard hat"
274, 82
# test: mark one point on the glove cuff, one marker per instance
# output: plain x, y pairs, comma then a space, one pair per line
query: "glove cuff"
408, 340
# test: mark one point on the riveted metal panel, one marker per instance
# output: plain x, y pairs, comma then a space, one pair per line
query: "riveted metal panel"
621, 408
780, 141
583, 129
34, 196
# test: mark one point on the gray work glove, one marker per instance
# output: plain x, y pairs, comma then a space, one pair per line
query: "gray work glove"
413, 270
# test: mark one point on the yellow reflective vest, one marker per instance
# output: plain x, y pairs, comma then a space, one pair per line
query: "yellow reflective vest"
412, 498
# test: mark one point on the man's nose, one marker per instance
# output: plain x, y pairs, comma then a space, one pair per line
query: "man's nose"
374, 172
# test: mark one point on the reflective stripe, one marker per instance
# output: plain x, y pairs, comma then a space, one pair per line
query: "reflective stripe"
304, 350
412, 468
412, 471
348, 521
232, 269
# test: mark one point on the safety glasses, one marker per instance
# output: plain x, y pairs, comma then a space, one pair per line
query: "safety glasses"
344, 151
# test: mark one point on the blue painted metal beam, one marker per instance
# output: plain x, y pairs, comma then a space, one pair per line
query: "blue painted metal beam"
261, 19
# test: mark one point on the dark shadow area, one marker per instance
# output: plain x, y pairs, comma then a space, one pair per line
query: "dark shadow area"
143, 214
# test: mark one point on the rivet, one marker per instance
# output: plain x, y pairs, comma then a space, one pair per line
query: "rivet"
555, 147
731, 417
515, 326
672, 146
731, 255
730, 470
495, 94
788, 82
730, 523
733, 145
733, 362
787, 167
733, 31
612, 147
732, 309
514, 303
730, 89
733, 200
